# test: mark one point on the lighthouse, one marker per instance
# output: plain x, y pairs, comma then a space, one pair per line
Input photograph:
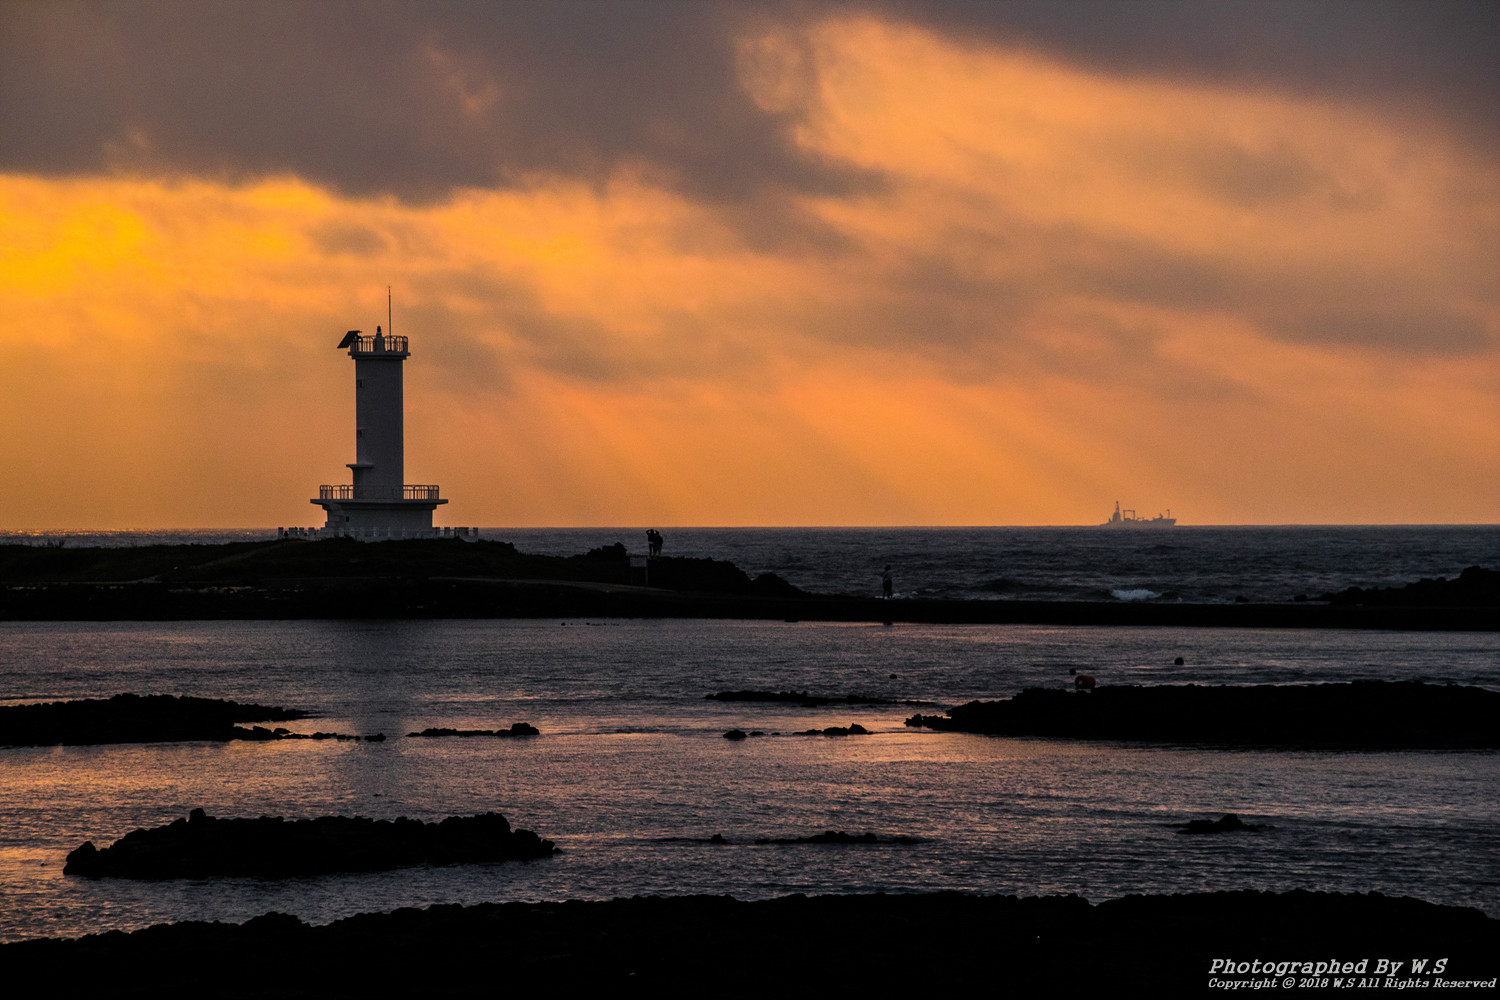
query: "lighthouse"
379, 504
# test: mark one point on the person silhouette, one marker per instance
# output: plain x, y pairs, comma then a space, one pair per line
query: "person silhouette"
887, 583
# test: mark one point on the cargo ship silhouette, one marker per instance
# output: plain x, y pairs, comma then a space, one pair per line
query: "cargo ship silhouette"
1127, 519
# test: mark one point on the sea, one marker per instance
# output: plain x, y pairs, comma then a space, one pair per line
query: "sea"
631, 775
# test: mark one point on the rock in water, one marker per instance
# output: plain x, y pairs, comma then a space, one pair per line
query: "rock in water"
516, 729
271, 847
132, 718
1354, 715
1230, 823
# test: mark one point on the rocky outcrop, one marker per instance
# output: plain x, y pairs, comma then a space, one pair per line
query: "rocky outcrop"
133, 718
516, 729
852, 729
839, 837
806, 700
1361, 714
716, 576
1228, 823
271, 847
1475, 587
260, 733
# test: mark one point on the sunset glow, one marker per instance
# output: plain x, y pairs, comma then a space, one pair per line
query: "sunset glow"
1041, 287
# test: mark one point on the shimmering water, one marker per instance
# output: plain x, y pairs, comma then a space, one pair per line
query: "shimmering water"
631, 772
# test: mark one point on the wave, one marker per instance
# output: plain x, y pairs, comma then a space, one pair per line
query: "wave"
1135, 594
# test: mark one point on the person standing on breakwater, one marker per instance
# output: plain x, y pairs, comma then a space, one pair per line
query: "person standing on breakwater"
653, 542
887, 582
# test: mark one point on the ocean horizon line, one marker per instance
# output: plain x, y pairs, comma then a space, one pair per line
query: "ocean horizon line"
271, 530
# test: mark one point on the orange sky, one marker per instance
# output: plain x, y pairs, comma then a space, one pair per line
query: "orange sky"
1060, 287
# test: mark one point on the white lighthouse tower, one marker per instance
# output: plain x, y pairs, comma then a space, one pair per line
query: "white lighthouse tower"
378, 504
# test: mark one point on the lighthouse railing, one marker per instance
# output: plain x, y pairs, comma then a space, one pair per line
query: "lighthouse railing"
377, 345
406, 492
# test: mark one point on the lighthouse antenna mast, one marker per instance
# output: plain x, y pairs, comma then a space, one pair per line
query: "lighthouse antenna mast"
388, 329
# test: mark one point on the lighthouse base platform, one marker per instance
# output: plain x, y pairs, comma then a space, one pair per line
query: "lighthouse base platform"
379, 519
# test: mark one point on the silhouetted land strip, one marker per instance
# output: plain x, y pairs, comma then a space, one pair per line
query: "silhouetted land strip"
271, 847
1361, 714
695, 945
240, 564
132, 718
342, 578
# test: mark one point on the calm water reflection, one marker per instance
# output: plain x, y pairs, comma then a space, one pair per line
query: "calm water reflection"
631, 771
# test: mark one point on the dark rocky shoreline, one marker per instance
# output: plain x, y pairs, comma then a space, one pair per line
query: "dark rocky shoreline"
716, 944
1474, 587
342, 578
1359, 715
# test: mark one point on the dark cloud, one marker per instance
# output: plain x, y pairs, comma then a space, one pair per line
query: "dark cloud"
1434, 59
403, 98
418, 99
